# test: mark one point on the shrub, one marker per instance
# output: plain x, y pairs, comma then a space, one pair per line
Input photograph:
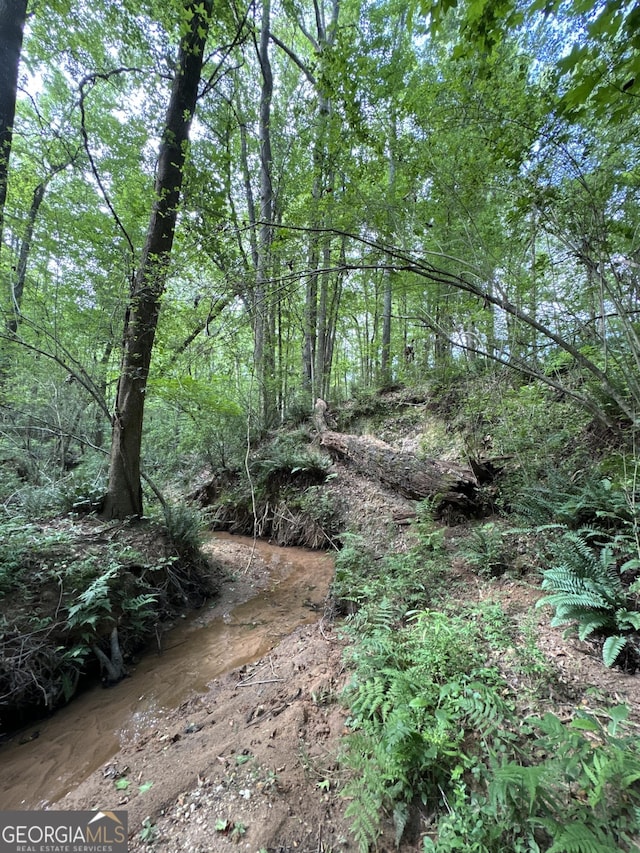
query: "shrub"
185, 525
405, 700
485, 550
587, 592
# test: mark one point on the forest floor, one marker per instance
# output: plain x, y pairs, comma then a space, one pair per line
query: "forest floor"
253, 763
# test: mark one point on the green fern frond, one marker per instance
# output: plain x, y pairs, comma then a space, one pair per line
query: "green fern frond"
370, 697
578, 838
591, 623
617, 768
603, 593
612, 648
364, 811
483, 708
372, 617
586, 601
627, 619
516, 786
579, 539
400, 820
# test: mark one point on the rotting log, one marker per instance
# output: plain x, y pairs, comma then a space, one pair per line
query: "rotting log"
448, 483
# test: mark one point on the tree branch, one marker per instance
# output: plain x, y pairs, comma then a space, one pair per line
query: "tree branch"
92, 79
294, 58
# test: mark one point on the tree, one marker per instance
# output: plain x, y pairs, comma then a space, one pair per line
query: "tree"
124, 494
337, 121
602, 70
13, 14
262, 309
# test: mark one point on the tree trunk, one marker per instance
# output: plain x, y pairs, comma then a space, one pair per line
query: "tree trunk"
17, 287
124, 495
263, 340
387, 304
13, 14
403, 472
385, 349
318, 333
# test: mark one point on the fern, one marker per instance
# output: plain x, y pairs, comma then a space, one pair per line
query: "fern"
522, 789
588, 502
578, 838
404, 708
365, 808
372, 617
370, 700
612, 648
591, 623
400, 820
617, 768
484, 709
93, 602
586, 589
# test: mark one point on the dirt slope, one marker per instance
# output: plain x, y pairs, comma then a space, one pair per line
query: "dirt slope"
254, 757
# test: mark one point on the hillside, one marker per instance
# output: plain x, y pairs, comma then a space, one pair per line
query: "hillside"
259, 758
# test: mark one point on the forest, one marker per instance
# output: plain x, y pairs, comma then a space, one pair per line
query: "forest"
247, 246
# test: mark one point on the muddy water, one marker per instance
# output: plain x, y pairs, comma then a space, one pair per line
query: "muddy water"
81, 737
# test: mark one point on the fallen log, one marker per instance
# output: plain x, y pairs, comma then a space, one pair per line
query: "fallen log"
448, 483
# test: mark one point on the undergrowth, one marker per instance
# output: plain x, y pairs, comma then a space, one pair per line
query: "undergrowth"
281, 495
588, 532
438, 734
77, 597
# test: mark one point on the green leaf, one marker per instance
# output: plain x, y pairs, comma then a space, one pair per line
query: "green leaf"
146, 786
591, 623
585, 724
619, 713
628, 618
122, 784
612, 648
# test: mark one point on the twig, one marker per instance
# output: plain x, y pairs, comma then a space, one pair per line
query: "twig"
328, 639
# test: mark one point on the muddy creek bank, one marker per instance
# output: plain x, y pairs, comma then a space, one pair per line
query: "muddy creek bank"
272, 591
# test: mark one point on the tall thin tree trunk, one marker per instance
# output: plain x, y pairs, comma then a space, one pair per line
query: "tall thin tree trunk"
322, 340
17, 287
124, 495
387, 302
251, 207
13, 14
18, 284
317, 331
263, 340
100, 420
385, 349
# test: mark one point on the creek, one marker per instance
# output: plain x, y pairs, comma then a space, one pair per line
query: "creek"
82, 736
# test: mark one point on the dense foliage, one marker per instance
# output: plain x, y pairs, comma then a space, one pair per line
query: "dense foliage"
372, 191
438, 728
